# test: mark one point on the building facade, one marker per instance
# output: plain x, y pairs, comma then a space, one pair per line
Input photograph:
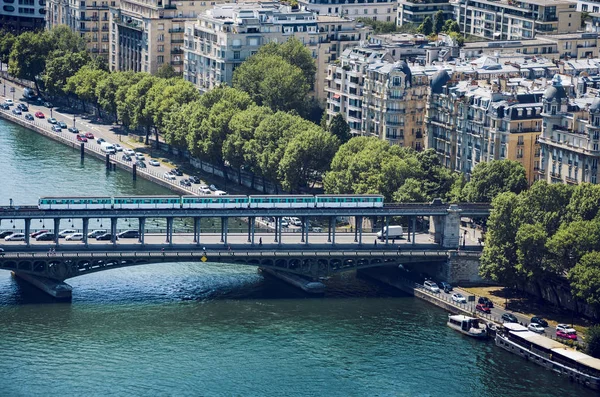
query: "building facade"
381, 10
222, 38
415, 11
23, 15
378, 96
90, 18
516, 19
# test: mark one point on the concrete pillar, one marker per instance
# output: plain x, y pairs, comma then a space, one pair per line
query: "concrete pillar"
303, 229
252, 226
170, 230
409, 230
277, 222
249, 229
134, 172
27, 231
56, 230
280, 231
451, 227
225, 228
356, 229
307, 228
436, 228
329, 231
86, 230
360, 227
142, 229
197, 230
387, 229
82, 151
333, 220
222, 230
113, 230
414, 229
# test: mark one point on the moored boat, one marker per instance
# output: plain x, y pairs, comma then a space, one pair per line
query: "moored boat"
469, 326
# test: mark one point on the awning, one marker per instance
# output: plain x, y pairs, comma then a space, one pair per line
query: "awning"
336, 96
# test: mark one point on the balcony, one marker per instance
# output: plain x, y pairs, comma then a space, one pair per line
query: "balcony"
176, 51
177, 41
176, 63
176, 30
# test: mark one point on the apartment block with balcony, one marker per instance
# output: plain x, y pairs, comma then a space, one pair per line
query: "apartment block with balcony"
222, 38
90, 18
516, 19
378, 96
147, 34
570, 141
22, 15
380, 10
470, 122
415, 11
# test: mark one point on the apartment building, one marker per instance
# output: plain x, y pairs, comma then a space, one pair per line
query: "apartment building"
90, 18
22, 16
380, 10
516, 19
475, 121
570, 141
378, 96
415, 11
590, 6
223, 37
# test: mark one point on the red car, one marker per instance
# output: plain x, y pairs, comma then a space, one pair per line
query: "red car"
39, 115
483, 308
35, 234
89, 135
567, 334
81, 138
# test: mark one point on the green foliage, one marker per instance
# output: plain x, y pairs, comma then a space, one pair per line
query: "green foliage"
84, 82
166, 71
242, 126
451, 26
60, 66
457, 37
584, 202
339, 128
492, 178
530, 242
592, 341
27, 58
137, 100
169, 94
64, 39
438, 22
426, 27
380, 27
7, 40
295, 53
585, 279
107, 89
571, 242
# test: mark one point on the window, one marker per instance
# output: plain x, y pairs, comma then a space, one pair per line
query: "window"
161, 48
236, 55
160, 37
160, 59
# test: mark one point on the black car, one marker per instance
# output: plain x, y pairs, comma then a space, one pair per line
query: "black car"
5, 233
140, 164
23, 107
540, 321
48, 236
74, 130
126, 157
176, 171
446, 287
62, 124
4, 106
105, 237
129, 234
485, 301
29, 116
48, 105
17, 111
100, 140
195, 179
185, 182
509, 318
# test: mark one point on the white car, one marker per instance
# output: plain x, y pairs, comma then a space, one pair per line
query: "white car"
459, 298
538, 329
204, 189
129, 152
563, 327
154, 163
139, 156
431, 286
220, 193
9, 102
296, 221
284, 223
74, 237
96, 233
15, 237
118, 147
66, 232
169, 176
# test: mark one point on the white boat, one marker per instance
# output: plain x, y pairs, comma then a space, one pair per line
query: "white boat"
469, 326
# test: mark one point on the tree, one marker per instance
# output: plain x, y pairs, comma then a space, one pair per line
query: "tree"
166, 71
492, 178
451, 26
592, 341
438, 22
583, 205
296, 53
571, 242
136, 102
182, 122
412, 191
106, 90
272, 81
531, 252
60, 66
306, 156
585, 279
426, 27
339, 128
125, 109
457, 37
169, 94
83, 84
7, 40
65, 40
27, 58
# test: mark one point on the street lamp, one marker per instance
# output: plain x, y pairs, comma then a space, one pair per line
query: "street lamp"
73, 121
50, 112
4, 83
11, 202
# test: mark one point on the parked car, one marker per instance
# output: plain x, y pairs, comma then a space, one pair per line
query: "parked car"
105, 237
315, 229
126, 158
15, 237
139, 156
540, 321
129, 152
431, 286
562, 327
81, 138
66, 232
220, 193
185, 182
17, 111
213, 188
73, 130
176, 171
74, 237
62, 124
89, 135
96, 233
568, 333
459, 298
154, 163
204, 189
29, 117
52, 120
100, 140
509, 318
56, 128
45, 237
140, 164
48, 105
169, 176
23, 107
129, 234
482, 308
538, 329
9, 102
6, 233
195, 179
35, 234
39, 115
4, 106
446, 287
485, 301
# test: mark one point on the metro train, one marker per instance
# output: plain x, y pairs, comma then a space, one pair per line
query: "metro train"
213, 202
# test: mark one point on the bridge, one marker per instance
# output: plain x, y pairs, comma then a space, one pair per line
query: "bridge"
303, 253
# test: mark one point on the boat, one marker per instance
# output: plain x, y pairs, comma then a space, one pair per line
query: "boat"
469, 326
550, 354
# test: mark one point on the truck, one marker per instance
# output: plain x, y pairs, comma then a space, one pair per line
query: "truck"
108, 148
392, 232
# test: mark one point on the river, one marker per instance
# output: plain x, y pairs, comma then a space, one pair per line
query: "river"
221, 330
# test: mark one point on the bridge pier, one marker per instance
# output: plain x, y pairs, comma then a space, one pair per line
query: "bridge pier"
56, 230
170, 230
27, 231
280, 232
142, 229
360, 230
387, 230
308, 286
224, 228
197, 230
414, 229
306, 229
445, 230
333, 220
86, 228
252, 226
113, 231
54, 288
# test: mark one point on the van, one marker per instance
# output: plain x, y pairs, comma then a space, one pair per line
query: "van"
431, 286
107, 147
394, 232
28, 93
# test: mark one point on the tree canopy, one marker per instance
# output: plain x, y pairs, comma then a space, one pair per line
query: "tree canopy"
492, 178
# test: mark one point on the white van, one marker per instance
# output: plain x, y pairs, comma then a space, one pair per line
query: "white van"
394, 232
431, 286
107, 147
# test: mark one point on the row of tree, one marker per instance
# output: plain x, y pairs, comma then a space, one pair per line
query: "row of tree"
545, 233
